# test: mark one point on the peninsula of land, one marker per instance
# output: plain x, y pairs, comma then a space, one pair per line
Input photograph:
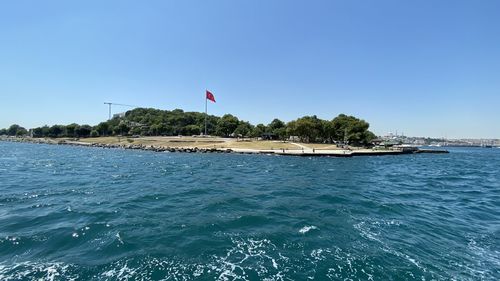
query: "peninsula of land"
179, 131
225, 145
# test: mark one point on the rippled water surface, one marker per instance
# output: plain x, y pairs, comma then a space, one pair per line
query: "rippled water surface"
96, 214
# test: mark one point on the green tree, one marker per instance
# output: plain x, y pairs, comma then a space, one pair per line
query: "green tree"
148, 121
94, 134
227, 125
21, 132
3, 132
308, 128
211, 124
329, 132
155, 129
277, 128
41, 132
71, 130
351, 129
37, 132
57, 131
45, 131
16, 130
281, 133
168, 130
275, 125
191, 130
123, 128
368, 137
259, 130
136, 131
291, 128
103, 129
244, 129
175, 122
83, 131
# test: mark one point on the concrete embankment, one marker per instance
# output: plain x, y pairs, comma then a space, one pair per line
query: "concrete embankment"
433, 151
355, 153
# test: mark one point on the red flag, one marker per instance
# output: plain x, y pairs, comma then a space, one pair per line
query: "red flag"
210, 96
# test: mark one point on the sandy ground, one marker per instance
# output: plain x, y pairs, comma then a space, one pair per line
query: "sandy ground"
199, 142
238, 145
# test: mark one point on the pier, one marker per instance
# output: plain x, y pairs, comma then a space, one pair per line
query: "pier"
341, 153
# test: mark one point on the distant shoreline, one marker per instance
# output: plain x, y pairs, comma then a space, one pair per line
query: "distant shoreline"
222, 145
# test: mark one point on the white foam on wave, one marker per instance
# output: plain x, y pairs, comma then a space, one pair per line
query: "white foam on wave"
122, 272
246, 259
319, 254
250, 255
365, 231
12, 239
36, 271
484, 256
119, 238
306, 229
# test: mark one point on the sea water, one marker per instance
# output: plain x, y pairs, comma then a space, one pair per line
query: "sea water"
74, 213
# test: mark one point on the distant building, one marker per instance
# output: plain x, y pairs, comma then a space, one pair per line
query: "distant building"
389, 143
119, 115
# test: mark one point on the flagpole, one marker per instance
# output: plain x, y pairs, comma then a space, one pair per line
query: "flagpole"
206, 113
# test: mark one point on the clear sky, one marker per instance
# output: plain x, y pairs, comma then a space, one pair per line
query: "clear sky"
425, 68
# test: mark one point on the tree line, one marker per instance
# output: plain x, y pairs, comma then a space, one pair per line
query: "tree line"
155, 122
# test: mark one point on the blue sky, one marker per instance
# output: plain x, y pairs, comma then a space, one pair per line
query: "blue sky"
425, 68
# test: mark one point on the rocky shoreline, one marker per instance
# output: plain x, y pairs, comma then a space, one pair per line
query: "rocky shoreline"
117, 146
157, 148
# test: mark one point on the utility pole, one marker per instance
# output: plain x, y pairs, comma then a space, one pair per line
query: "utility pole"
108, 103
206, 115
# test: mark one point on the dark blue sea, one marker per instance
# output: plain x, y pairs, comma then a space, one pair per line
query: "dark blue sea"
74, 213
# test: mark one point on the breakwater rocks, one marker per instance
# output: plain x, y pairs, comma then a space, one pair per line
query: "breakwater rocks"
155, 148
